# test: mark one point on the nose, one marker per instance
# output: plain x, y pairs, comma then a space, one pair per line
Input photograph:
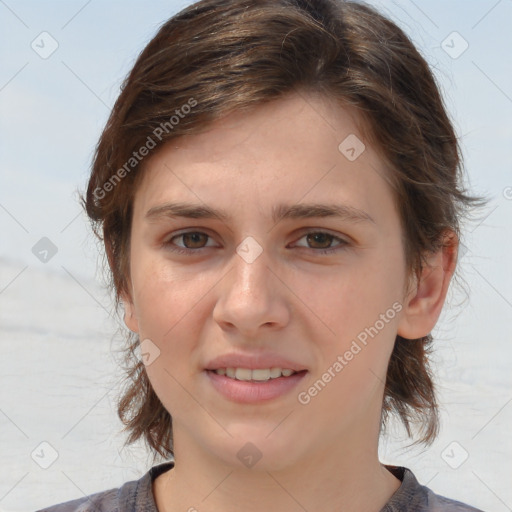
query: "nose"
252, 296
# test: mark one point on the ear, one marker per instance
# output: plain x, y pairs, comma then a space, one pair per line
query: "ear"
130, 315
424, 303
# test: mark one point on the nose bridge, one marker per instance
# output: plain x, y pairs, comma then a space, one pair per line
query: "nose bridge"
249, 298
250, 274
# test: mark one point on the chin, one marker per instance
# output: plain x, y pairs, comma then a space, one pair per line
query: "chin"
256, 450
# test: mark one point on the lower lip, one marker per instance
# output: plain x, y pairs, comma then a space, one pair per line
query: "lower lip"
252, 392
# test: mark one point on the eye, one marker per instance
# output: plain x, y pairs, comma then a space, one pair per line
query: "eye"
193, 241
324, 239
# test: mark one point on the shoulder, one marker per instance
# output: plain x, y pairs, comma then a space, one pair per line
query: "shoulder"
130, 497
411, 495
99, 502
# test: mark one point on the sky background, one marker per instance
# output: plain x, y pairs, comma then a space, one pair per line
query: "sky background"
52, 111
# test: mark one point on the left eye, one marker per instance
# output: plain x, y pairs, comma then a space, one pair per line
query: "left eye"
321, 237
190, 237
196, 238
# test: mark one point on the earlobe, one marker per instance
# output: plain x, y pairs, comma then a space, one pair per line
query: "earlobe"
130, 316
423, 305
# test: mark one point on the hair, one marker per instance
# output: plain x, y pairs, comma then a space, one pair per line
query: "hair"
219, 56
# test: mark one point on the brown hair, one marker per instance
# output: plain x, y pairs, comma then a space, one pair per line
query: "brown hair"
217, 56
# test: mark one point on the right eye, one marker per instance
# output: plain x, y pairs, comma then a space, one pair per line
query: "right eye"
189, 238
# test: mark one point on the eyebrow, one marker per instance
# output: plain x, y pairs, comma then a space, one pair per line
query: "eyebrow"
279, 212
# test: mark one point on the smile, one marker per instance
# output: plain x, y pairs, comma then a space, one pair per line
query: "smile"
256, 385
257, 374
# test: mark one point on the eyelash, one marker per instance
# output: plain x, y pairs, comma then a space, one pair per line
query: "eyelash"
183, 250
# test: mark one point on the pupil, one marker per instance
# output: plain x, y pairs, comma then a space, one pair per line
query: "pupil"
195, 236
317, 238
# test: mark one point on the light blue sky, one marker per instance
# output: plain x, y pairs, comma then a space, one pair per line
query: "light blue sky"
53, 110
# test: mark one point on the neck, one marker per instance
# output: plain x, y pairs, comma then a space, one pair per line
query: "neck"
349, 478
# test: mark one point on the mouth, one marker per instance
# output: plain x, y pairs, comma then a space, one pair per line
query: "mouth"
256, 374
245, 385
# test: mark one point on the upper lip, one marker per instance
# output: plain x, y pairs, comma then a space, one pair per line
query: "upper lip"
252, 362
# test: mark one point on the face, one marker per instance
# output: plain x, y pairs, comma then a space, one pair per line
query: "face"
320, 294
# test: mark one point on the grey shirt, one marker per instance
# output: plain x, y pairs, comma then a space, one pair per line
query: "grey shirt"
137, 496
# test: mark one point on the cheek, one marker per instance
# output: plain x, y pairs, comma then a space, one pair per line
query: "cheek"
354, 299
170, 307
167, 308
163, 297
362, 314
352, 374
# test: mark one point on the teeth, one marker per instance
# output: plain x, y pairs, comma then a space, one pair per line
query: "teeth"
243, 374
260, 374
275, 372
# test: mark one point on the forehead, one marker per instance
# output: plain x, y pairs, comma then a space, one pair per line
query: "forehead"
310, 119
295, 146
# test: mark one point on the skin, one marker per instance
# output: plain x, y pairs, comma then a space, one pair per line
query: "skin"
291, 300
